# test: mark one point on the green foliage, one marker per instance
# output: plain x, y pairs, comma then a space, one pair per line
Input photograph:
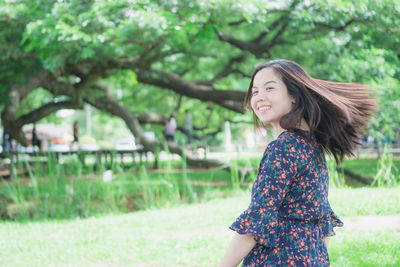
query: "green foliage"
338, 40
388, 174
336, 178
107, 133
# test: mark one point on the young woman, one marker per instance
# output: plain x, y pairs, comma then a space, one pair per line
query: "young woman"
289, 218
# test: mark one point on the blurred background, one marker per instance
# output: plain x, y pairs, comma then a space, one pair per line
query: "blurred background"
91, 92
121, 68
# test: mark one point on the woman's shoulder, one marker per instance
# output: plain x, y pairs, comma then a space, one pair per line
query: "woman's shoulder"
292, 148
298, 137
291, 141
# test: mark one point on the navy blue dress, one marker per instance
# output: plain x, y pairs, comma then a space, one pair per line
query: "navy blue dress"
289, 214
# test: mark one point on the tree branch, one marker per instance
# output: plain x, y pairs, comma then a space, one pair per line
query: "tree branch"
48, 81
15, 95
261, 36
336, 27
107, 103
230, 99
178, 106
44, 111
87, 81
227, 70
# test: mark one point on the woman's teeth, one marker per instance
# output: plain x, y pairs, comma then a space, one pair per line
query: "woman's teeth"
264, 108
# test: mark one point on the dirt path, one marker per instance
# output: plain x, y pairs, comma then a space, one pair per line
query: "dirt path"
372, 222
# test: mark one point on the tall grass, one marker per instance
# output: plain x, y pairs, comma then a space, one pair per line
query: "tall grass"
187, 187
388, 174
235, 181
336, 178
61, 190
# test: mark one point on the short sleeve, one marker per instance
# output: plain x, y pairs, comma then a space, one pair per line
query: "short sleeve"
277, 169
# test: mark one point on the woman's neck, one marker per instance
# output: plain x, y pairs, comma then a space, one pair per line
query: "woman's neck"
303, 126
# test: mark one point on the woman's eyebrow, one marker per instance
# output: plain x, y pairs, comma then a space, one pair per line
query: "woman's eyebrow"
255, 87
269, 82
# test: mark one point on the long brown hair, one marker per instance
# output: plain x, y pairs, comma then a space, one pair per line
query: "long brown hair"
336, 112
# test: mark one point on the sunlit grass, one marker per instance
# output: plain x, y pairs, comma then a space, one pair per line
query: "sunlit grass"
365, 201
354, 247
185, 235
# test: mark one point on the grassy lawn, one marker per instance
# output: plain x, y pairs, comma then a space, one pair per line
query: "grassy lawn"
188, 235
366, 166
365, 201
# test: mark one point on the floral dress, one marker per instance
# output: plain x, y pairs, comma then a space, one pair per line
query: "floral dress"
289, 214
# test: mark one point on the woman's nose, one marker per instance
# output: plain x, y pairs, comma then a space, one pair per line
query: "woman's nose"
261, 96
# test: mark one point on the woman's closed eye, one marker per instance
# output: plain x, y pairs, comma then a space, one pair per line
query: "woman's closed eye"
254, 92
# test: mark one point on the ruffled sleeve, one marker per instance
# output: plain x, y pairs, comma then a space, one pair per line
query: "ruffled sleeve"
329, 221
277, 169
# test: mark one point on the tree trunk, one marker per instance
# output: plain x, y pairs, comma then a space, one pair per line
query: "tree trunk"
107, 103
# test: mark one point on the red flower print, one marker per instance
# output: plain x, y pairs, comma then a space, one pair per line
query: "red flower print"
288, 196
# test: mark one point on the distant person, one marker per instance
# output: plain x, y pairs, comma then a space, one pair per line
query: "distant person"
3, 144
75, 132
7, 142
170, 128
289, 218
188, 126
35, 139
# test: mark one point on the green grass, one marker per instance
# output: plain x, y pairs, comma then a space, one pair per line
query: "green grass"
64, 193
366, 166
59, 196
362, 166
63, 189
187, 235
365, 248
365, 201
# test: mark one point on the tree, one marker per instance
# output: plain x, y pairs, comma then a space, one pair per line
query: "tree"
84, 51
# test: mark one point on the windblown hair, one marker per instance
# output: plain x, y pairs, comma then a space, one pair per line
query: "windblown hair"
336, 112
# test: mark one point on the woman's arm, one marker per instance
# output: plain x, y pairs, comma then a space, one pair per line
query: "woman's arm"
326, 241
239, 247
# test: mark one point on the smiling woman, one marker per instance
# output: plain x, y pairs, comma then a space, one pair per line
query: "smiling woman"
289, 217
270, 99
336, 113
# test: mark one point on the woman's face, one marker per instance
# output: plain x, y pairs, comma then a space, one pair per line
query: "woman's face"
270, 98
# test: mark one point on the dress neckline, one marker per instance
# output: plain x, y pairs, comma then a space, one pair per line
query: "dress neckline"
294, 131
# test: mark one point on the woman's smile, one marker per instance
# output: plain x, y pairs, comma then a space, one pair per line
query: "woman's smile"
263, 108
